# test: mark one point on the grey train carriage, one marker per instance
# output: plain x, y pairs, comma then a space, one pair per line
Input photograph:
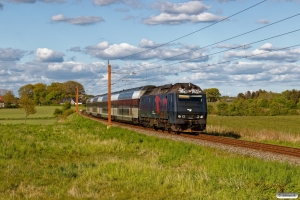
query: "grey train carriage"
180, 107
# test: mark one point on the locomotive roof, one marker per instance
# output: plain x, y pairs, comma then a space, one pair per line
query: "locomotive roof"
178, 88
136, 93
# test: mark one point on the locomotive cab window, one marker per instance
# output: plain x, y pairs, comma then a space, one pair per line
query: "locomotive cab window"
190, 98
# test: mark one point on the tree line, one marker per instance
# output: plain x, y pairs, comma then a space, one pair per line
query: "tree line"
42, 94
261, 103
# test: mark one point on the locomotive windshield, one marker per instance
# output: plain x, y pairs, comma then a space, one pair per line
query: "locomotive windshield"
186, 97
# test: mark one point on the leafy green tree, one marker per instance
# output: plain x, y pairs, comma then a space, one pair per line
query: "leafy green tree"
212, 94
275, 108
39, 92
53, 97
9, 99
69, 88
28, 105
26, 89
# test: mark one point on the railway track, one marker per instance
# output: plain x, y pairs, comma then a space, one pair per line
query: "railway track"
288, 151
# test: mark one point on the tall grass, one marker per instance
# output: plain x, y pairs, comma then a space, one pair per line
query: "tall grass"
80, 158
283, 130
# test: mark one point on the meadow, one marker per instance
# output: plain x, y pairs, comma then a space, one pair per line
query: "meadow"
81, 158
43, 115
281, 130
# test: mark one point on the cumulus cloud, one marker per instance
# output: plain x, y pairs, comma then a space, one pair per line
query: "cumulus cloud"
147, 44
81, 20
171, 19
266, 52
172, 14
10, 54
190, 8
125, 51
263, 21
48, 55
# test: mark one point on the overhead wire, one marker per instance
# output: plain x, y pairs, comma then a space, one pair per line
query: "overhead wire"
182, 61
290, 32
228, 61
245, 33
191, 32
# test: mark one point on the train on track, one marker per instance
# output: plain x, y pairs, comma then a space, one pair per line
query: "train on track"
179, 107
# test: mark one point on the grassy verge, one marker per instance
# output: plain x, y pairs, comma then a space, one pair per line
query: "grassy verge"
80, 158
283, 130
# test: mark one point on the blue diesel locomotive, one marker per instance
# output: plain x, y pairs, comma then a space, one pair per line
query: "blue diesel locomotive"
180, 107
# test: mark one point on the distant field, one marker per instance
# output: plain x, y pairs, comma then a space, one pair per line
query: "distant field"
41, 111
30, 121
82, 159
43, 115
282, 130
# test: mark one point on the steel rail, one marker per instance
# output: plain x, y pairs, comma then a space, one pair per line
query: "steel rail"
290, 151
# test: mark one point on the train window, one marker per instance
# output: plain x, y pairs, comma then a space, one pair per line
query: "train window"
190, 98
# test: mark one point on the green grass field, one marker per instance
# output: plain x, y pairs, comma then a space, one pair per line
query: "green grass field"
81, 159
17, 113
282, 130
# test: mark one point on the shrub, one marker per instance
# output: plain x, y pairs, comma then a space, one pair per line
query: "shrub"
68, 112
211, 109
67, 105
222, 108
293, 112
57, 112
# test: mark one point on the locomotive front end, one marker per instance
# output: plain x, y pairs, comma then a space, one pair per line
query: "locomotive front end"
191, 110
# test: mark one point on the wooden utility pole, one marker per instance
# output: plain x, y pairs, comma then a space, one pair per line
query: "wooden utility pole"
109, 97
77, 100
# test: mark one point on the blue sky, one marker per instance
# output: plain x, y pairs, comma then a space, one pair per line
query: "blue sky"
59, 40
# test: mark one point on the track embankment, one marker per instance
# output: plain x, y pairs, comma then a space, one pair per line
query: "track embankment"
256, 149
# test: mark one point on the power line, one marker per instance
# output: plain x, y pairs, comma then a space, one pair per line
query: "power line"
188, 34
222, 40
221, 51
191, 32
228, 61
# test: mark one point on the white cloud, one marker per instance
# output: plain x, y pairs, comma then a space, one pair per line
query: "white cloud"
147, 43
267, 46
190, 8
125, 51
81, 20
172, 14
172, 19
48, 55
266, 52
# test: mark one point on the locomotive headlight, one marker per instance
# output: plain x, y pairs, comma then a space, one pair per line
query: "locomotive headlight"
179, 116
197, 116
201, 116
183, 116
